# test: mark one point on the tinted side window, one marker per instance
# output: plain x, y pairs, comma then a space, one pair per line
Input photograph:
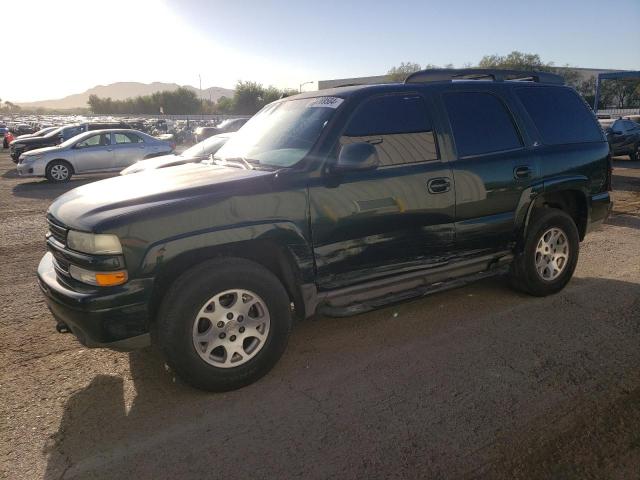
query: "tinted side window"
560, 115
481, 123
398, 126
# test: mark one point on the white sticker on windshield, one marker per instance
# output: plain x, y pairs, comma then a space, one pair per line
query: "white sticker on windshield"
327, 102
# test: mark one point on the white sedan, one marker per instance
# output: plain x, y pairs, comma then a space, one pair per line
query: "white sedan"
91, 152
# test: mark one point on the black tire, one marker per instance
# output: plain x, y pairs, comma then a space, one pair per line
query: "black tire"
524, 275
635, 154
58, 166
190, 292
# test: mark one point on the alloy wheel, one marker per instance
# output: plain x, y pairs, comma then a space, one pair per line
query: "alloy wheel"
552, 254
231, 328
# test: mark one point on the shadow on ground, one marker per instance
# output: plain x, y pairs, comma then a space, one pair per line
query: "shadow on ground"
42, 189
415, 408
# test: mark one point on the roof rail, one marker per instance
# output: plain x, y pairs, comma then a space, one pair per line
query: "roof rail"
450, 74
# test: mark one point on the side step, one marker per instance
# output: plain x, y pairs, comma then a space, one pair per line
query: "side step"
379, 293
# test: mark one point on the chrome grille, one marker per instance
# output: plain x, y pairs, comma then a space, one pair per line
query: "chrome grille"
58, 232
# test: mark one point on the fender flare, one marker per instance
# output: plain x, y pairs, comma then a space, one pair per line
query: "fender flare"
527, 203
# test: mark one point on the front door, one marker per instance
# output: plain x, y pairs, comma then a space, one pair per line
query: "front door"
394, 218
93, 154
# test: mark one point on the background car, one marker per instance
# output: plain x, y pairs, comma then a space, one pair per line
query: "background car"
58, 136
199, 152
227, 126
624, 138
40, 133
91, 152
8, 138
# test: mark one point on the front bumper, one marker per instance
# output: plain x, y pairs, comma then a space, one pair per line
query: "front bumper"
26, 170
115, 318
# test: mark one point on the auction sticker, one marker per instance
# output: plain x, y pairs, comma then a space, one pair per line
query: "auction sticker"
327, 102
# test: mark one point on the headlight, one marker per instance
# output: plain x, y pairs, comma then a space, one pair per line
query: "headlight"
30, 158
93, 243
99, 279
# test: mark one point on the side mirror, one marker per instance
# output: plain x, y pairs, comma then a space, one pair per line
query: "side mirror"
356, 157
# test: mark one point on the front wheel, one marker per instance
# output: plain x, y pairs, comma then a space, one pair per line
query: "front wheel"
224, 324
550, 254
58, 171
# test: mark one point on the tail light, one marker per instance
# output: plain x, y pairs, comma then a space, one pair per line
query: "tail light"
173, 145
607, 183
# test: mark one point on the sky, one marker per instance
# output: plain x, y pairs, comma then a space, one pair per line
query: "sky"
57, 48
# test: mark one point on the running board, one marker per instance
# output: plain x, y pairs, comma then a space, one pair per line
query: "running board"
379, 293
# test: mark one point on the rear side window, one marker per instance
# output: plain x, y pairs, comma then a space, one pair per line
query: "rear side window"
481, 123
560, 115
397, 125
126, 138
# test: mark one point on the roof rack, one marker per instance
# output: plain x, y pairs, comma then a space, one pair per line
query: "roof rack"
450, 74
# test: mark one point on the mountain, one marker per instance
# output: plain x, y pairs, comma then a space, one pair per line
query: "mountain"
121, 91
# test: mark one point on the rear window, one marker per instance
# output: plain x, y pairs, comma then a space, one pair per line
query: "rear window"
481, 123
560, 115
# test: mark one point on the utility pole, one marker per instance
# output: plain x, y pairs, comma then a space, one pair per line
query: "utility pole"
302, 85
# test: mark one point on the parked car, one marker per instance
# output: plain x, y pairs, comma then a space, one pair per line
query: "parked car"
91, 152
7, 139
338, 201
40, 133
58, 136
227, 126
199, 152
624, 138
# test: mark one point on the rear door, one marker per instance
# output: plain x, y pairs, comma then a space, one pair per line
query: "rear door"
128, 147
492, 167
396, 217
93, 154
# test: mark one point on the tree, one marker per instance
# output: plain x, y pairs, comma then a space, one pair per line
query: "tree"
399, 73
515, 61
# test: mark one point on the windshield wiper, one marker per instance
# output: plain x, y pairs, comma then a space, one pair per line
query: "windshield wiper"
233, 162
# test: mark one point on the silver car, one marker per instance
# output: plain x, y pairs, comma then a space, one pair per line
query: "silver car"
91, 152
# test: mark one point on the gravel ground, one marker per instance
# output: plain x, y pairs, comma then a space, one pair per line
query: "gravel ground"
479, 382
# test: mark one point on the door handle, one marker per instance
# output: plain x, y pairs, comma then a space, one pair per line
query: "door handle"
439, 185
523, 171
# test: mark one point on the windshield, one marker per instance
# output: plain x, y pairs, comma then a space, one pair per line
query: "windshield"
282, 133
206, 147
54, 132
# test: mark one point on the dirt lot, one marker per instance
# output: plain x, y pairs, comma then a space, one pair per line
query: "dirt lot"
479, 382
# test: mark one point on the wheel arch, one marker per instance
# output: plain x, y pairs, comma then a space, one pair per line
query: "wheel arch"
567, 194
63, 160
286, 254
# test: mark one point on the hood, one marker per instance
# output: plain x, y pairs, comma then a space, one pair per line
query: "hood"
156, 162
91, 207
38, 140
39, 151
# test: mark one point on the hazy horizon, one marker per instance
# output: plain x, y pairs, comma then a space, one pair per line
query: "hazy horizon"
286, 43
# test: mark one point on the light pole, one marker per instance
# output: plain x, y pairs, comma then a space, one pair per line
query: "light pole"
303, 84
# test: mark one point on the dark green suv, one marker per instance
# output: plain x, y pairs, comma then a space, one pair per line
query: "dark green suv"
337, 201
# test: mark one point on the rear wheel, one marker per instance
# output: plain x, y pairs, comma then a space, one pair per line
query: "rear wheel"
550, 254
59, 171
224, 324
